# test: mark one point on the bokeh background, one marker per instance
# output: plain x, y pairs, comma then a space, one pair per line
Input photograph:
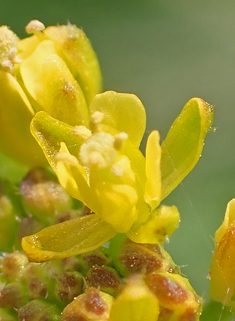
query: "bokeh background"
164, 51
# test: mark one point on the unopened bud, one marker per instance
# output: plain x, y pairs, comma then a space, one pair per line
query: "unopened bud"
43, 196
143, 258
103, 278
175, 294
13, 295
68, 286
13, 265
92, 305
39, 310
94, 258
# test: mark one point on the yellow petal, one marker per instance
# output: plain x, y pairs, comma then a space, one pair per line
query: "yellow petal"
51, 84
72, 176
74, 47
183, 145
153, 170
16, 114
80, 235
123, 112
50, 132
116, 204
161, 224
135, 303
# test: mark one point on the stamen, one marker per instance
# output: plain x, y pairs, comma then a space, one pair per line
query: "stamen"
12, 56
34, 26
66, 158
95, 119
98, 150
120, 140
7, 65
117, 170
81, 131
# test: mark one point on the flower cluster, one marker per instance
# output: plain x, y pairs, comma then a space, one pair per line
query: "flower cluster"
91, 140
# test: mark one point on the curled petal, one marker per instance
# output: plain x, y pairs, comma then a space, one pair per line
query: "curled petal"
183, 145
80, 235
161, 224
118, 110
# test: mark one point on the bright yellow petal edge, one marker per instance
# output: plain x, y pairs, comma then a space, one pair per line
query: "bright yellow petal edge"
66, 239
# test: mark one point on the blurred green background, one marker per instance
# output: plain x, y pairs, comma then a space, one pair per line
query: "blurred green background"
164, 51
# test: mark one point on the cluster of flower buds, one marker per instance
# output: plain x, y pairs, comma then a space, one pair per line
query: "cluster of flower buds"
141, 282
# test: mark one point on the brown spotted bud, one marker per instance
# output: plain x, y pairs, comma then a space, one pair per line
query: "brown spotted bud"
94, 258
39, 310
143, 258
13, 264
103, 278
68, 286
39, 284
13, 295
92, 305
176, 296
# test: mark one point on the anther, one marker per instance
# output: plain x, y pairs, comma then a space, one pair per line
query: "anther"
66, 158
34, 26
81, 131
95, 119
12, 55
7, 65
119, 140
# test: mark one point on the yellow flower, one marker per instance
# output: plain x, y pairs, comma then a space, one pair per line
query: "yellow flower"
55, 70
222, 272
101, 165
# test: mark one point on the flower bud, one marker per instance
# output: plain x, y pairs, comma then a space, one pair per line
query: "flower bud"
39, 310
68, 286
94, 258
43, 197
143, 258
177, 298
103, 278
55, 70
13, 264
222, 272
92, 305
13, 295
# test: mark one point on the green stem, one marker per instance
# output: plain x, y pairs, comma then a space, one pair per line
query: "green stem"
215, 311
